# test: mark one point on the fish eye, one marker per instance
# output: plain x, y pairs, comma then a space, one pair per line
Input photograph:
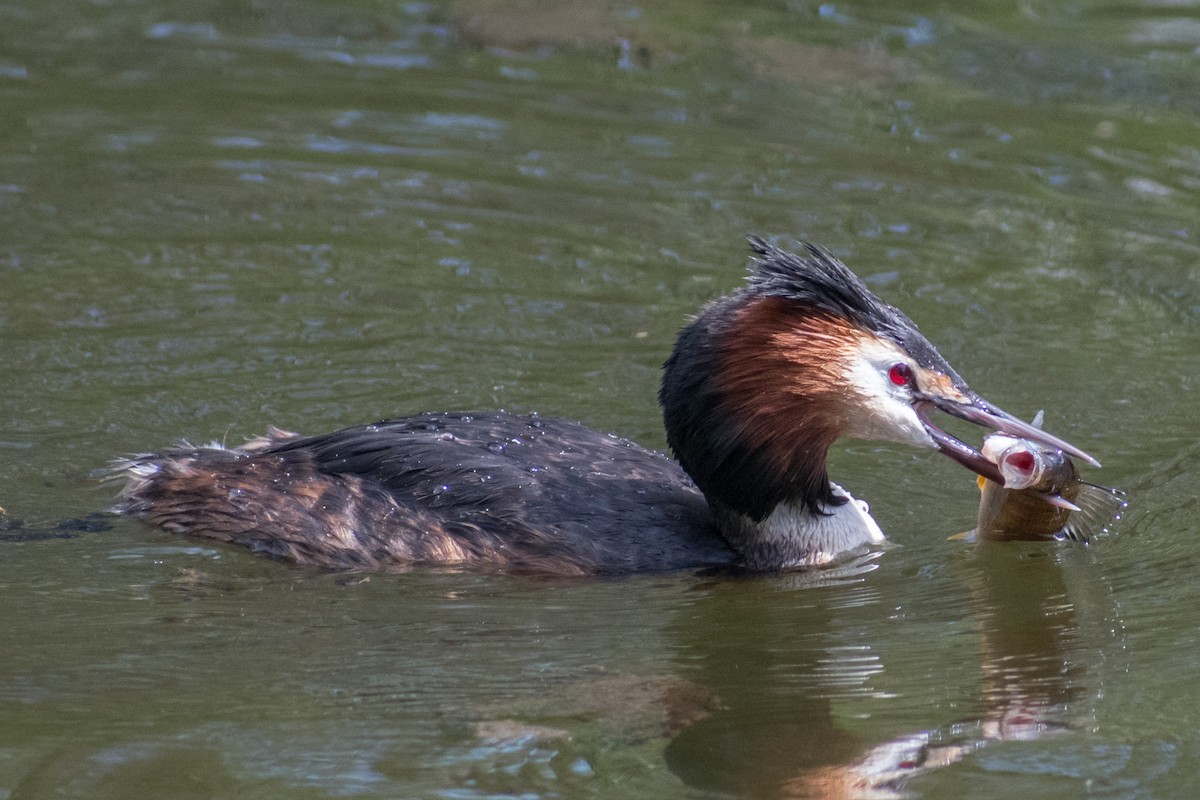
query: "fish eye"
901, 374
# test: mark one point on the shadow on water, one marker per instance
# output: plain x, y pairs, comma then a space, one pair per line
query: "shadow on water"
19, 530
778, 732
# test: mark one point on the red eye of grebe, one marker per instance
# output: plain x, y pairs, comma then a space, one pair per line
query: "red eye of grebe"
901, 374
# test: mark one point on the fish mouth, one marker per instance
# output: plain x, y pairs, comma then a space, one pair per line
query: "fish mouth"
980, 412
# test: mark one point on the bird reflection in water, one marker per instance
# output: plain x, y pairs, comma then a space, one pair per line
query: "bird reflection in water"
1032, 605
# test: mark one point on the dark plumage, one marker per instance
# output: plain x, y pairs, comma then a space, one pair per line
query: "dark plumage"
493, 489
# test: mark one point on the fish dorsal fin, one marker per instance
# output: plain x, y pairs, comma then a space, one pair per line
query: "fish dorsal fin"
1038, 419
1099, 509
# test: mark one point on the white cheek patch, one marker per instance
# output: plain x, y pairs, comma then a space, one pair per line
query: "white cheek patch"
879, 409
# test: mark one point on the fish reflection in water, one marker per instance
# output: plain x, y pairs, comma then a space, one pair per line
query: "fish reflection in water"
1043, 496
1044, 624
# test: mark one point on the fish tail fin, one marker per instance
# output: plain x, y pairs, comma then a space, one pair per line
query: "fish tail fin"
1099, 509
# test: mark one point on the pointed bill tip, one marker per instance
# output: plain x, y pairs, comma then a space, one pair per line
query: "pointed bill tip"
1011, 425
984, 413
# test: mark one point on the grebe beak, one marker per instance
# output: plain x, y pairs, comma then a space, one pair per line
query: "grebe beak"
981, 412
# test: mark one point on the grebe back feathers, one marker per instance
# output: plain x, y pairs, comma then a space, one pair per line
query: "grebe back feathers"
498, 489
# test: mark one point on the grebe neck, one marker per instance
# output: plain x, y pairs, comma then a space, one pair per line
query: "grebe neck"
791, 535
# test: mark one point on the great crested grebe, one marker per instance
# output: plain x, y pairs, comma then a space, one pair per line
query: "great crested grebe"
758, 387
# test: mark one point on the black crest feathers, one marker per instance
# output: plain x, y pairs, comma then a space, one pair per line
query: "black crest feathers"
815, 277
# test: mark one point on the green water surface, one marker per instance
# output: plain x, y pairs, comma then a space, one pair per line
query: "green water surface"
216, 216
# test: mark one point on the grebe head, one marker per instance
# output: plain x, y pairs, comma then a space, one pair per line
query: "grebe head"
765, 379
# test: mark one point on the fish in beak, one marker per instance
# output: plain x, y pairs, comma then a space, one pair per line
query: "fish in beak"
976, 410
